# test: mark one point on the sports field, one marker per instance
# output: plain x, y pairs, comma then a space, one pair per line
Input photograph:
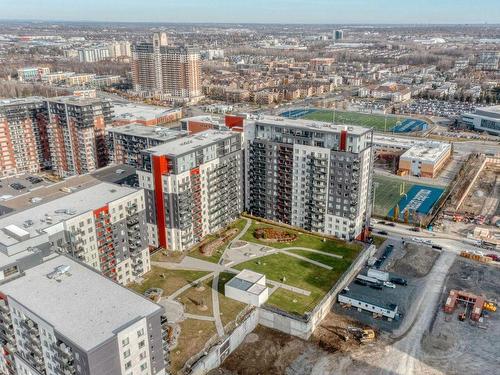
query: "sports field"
391, 191
387, 194
379, 122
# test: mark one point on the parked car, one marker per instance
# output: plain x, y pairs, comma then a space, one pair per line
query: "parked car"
17, 186
399, 281
383, 232
415, 229
388, 284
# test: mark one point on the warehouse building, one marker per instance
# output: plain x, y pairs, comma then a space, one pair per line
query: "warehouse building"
425, 159
61, 317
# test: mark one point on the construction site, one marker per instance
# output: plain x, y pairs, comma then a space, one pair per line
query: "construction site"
464, 335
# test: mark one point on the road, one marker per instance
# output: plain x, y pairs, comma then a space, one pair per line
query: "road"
448, 242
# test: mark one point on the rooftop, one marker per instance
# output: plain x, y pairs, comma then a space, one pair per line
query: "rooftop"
247, 281
310, 125
76, 100
82, 305
155, 132
32, 222
131, 111
427, 152
493, 111
186, 144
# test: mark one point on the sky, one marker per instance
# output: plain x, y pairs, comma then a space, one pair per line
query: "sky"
256, 11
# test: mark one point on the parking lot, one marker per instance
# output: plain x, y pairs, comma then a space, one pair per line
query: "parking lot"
406, 261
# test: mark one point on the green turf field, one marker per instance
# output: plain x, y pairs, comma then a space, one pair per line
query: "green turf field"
387, 194
379, 122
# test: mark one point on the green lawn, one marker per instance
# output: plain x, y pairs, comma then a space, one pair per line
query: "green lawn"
168, 280
387, 193
298, 273
379, 122
310, 241
192, 297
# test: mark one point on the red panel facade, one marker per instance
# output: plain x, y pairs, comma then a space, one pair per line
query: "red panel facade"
160, 168
343, 140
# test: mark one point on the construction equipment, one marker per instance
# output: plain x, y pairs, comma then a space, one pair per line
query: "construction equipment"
490, 306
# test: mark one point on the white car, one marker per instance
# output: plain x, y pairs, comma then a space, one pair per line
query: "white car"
389, 285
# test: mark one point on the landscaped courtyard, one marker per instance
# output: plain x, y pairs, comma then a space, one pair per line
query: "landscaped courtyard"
300, 268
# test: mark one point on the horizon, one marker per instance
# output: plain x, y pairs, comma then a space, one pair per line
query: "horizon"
312, 12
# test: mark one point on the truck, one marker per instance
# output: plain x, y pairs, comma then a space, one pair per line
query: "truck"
368, 279
379, 275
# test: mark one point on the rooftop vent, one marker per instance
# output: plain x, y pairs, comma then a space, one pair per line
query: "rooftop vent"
59, 271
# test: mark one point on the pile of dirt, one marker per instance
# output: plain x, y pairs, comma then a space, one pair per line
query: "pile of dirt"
209, 248
417, 261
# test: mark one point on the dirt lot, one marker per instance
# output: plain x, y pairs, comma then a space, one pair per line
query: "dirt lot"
483, 197
269, 352
414, 260
456, 347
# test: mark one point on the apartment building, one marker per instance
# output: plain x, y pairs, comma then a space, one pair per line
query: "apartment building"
309, 174
61, 317
168, 71
94, 54
23, 136
193, 187
103, 226
76, 134
32, 74
128, 141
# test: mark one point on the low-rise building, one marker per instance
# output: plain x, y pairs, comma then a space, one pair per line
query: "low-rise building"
484, 119
425, 159
61, 317
390, 311
248, 287
32, 74
128, 113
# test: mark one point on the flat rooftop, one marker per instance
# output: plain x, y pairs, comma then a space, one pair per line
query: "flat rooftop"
493, 111
427, 152
186, 144
381, 140
20, 225
16, 101
246, 281
131, 111
310, 124
76, 100
84, 306
153, 132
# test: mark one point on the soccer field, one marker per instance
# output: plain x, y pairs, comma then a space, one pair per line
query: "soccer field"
379, 122
387, 194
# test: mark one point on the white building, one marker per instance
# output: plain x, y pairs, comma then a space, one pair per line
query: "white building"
484, 119
93, 54
425, 159
390, 311
61, 317
248, 287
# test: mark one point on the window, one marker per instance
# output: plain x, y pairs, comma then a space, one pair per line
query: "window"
140, 332
128, 365
126, 353
144, 366
141, 344
125, 341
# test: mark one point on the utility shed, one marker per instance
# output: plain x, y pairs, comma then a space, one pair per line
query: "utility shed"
247, 287
390, 311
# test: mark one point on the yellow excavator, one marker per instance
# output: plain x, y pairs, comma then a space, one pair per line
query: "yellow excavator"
489, 306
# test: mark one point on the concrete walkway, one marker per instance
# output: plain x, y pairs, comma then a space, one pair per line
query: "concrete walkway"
199, 317
306, 259
215, 305
314, 251
190, 285
237, 238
